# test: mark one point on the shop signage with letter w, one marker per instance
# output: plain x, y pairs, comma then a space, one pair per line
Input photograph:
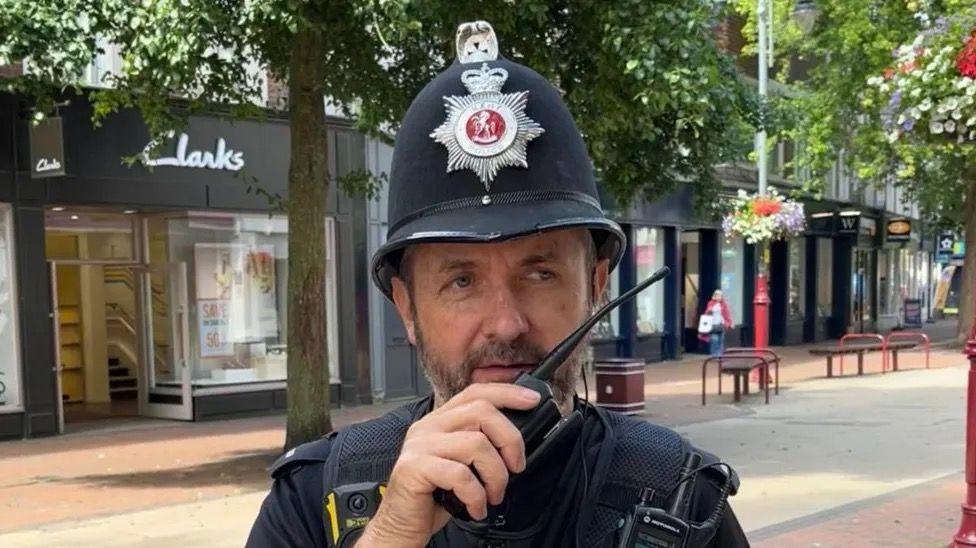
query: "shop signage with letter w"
849, 224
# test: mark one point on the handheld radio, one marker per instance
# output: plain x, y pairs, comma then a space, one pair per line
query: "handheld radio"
545, 422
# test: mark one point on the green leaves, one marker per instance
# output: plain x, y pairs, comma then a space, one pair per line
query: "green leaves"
833, 112
659, 104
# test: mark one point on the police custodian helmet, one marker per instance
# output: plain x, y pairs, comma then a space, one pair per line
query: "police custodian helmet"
487, 152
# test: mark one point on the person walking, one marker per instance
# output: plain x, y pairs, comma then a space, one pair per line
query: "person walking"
721, 318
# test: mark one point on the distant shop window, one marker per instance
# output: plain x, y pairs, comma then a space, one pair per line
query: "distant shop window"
609, 326
825, 277
9, 349
237, 275
733, 267
797, 277
649, 256
889, 281
90, 235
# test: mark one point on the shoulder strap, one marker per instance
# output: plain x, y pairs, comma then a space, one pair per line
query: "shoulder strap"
294, 458
367, 451
643, 455
646, 456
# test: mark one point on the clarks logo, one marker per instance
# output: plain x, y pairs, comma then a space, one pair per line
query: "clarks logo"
47, 164
221, 157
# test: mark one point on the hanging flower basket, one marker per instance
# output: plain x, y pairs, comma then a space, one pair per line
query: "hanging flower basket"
759, 218
929, 92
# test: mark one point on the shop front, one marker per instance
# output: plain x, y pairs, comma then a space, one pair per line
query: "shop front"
903, 276
819, 309
661, 322
159, 288
857, 245
788, 290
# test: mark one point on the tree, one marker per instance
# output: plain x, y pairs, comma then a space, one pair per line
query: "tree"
658, 103
848, 103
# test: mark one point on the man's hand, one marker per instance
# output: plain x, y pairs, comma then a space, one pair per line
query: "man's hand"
438, 453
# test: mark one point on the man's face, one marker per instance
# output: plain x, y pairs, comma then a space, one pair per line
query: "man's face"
486, 312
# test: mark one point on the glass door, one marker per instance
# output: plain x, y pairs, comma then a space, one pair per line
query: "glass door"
163, 296
57, 366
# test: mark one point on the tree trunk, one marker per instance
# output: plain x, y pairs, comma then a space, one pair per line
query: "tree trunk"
308, 179
967, 295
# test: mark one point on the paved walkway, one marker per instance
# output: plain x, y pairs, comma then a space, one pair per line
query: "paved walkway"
160, 483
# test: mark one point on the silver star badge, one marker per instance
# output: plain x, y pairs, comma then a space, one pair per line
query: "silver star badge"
486, 130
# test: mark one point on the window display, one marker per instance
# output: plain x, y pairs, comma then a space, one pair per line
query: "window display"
825, 277
889, 281
649, 256
733, 266
237, 275
9, 349
609, 326
797, 277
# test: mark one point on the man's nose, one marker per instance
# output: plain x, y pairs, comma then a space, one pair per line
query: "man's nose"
505, 320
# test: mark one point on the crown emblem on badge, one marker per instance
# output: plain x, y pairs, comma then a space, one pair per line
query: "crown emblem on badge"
487, 129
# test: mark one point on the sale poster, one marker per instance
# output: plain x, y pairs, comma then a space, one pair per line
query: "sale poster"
215, 339
243, 276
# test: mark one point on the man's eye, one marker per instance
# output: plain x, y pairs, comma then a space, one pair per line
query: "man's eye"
462, 282
542, 275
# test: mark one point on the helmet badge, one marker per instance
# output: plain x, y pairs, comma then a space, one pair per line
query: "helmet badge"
487, 129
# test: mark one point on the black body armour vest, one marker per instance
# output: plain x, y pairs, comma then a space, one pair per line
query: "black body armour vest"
624, 455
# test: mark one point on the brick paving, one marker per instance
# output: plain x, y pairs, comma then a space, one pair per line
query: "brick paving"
925, 515
146, 464
140, 465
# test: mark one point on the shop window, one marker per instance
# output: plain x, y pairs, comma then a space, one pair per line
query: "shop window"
733, 267
237, 276
89, 235
825, 277
9, 349
609, 326
797, 277
649, 256
890, 281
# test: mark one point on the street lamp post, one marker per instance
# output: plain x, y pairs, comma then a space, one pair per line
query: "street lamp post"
805, 13
764, 45
966, 535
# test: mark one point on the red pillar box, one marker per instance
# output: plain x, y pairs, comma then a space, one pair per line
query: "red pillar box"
761, 313
966, 535
620, 384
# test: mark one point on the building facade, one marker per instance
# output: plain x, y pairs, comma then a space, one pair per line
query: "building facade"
160, 290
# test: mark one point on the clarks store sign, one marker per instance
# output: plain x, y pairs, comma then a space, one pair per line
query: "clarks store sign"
219, 157
47, 148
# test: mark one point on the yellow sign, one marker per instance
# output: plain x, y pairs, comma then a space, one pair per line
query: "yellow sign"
899, 227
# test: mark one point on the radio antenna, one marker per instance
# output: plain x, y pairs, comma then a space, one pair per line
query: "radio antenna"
551, 362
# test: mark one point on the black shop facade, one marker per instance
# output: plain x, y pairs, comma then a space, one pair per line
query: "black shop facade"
158, 288
823, 283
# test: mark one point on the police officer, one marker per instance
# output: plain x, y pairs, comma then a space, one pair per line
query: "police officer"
498, 248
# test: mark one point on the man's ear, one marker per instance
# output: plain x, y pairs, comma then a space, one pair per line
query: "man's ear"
601, 275
401, 298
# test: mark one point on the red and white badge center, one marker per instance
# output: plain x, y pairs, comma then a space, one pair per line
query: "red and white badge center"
485, 127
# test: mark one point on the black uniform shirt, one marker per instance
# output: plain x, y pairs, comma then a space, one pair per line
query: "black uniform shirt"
292, 513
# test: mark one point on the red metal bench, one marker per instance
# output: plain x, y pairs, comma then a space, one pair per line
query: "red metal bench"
922, 338
771, 357
863, 336
830, 352
739, 365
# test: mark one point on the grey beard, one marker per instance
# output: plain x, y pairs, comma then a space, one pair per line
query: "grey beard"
448, 381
